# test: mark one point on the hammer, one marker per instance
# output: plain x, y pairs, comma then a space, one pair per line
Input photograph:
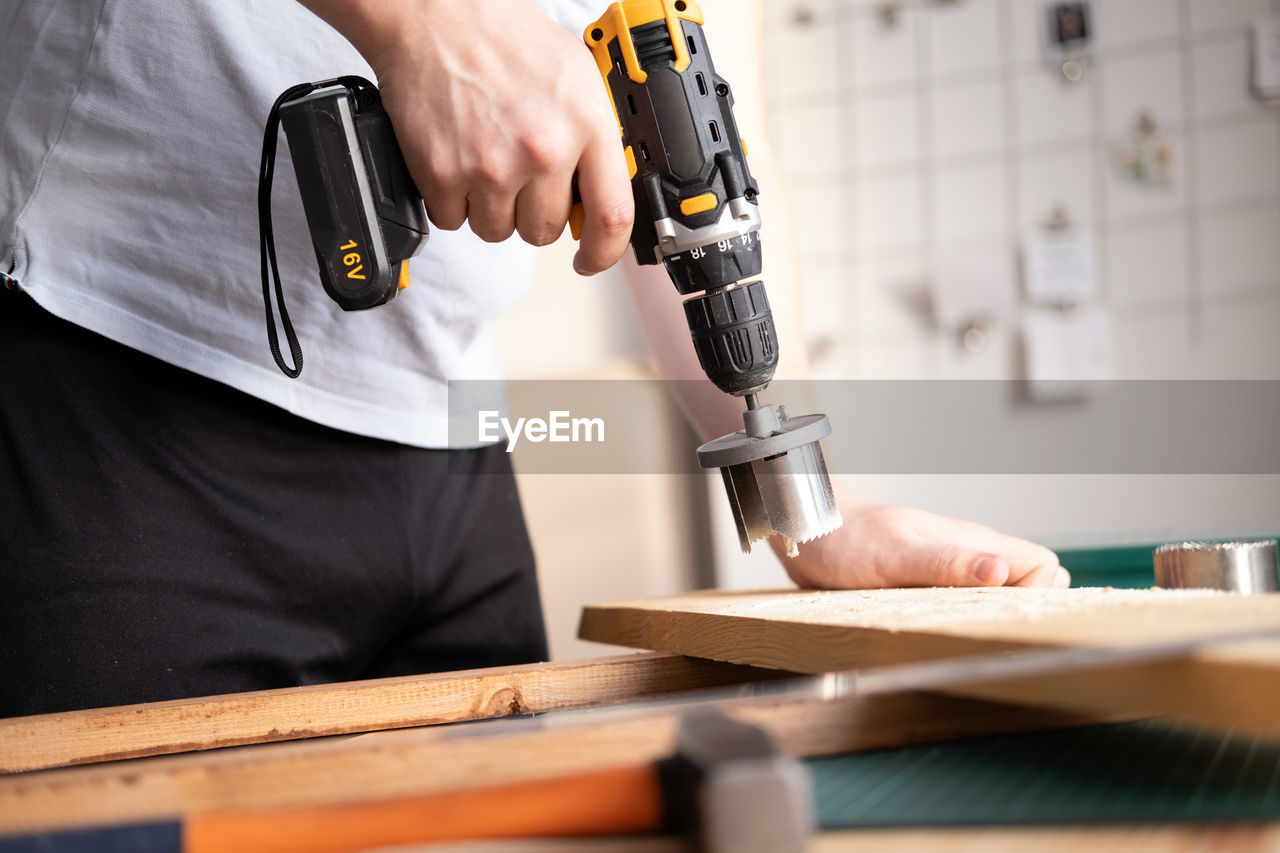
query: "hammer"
726, 785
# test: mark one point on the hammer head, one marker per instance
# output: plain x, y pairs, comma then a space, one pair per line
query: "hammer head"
729, 785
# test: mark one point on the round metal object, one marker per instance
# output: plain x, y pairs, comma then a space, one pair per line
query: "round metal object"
1247, 566
796, 494
738, 447
775, 476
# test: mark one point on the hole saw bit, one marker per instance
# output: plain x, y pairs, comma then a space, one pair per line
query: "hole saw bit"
697, 212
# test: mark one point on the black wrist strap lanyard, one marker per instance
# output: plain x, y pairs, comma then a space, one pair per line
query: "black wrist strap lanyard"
266, 235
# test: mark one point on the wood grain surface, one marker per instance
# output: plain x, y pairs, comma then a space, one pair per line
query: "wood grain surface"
1133, 838
821, 631
160, 728
425, 760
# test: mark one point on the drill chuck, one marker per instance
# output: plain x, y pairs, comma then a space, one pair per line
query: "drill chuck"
733, 334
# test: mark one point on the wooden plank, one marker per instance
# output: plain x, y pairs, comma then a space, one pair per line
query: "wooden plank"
159, 728
1200, 690
1132, 838
620, 844
424, 760
811, 631
821, 631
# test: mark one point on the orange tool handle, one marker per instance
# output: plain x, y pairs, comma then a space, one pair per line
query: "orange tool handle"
609, 802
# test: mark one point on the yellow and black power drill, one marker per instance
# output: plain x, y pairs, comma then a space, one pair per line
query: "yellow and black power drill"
697, 212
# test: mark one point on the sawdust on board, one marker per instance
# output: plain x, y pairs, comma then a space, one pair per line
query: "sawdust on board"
932, 607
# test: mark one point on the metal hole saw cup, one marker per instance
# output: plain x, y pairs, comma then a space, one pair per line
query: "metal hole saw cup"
1247, 567
775, 476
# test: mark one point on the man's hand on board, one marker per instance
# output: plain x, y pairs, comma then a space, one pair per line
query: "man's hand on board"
892, 546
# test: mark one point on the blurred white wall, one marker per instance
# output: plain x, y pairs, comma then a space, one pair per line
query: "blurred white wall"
907, 137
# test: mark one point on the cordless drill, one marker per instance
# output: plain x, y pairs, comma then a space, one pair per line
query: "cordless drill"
696, 212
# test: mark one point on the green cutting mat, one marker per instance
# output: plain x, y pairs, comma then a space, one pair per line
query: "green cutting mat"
1129, 772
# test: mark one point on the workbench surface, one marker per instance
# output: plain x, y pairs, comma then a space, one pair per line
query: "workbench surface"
903, 771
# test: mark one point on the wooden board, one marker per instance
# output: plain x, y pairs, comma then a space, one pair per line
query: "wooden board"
160, 728
1142, 838
425, 760
813, 631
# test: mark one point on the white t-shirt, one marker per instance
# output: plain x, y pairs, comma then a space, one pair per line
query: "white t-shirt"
130, 138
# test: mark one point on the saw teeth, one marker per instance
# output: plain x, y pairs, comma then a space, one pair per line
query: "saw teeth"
839, 522
834, 526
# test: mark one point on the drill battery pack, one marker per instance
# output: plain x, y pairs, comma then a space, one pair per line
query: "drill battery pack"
365, 214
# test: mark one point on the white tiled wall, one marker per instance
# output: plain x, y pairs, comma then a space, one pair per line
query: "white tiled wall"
947, 128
